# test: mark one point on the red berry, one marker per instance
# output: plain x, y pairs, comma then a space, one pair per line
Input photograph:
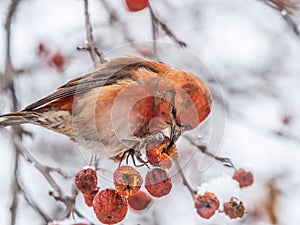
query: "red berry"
158, 183
110, 207
89, 198
136, 5
41, 48
158, 153
286, 120
58, 60
127, 180
234, 208
244, 178
206, 204
86, 180
139, 201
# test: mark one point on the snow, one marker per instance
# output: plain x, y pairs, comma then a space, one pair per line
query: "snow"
244, 51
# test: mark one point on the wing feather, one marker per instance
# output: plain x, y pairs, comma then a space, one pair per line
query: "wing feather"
107, 73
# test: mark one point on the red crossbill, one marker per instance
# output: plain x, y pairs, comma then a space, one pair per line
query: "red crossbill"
117, 106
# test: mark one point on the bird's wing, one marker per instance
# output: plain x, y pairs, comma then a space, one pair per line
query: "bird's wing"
108, 73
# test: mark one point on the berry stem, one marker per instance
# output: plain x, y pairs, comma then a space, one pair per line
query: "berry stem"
203, 148
184, 180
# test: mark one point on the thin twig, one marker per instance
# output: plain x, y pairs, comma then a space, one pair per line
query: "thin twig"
113, 16
28, 199
95, 54
155, 31
16, 133
286, 9
184, 180
68, 201
43, 169
58, 171
156, 22
9, 75
15, 190
9, 71
79, 214
225, 161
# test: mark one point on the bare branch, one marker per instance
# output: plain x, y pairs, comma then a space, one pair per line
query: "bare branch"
45, 217
286, 9
184, 180
226, 161
68, 201
158, 23
58, 171
15, 190
155, 31
9, 71
43, 169
95, 54
113, 16
9, 75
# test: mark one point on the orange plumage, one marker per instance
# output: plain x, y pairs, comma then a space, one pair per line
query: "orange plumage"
116, 107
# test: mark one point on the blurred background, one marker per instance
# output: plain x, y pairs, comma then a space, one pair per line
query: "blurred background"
251, 49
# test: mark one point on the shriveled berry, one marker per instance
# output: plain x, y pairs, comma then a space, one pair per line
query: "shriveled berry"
136, 5
140, 200
110, 207
127, 180
206, 204
88, 198
160, 154
86, 180
158, 183
244, 178
234, 208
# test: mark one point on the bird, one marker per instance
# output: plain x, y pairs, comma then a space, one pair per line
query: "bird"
116, 107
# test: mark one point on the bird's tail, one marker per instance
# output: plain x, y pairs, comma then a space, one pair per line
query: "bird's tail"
16, 118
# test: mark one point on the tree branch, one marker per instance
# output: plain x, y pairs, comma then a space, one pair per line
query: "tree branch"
226, 161
9, 75
95, 54
184, 180
286, 9
15, 190
33, 205
156, 22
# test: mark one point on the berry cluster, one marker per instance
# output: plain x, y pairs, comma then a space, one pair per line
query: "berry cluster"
111, 205
208, 203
